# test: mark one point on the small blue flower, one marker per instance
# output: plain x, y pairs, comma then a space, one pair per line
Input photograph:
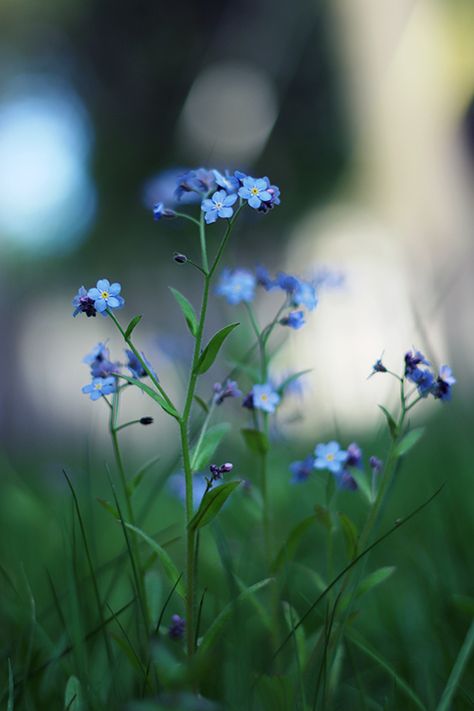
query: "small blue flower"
106, 295
412, 360
221, 392
274, 197
264, 279
330, 456
177, 627
230, 183
295, 320
83, 303
135, 367
265, 398
236, 285
255, 191
100, 363
240, 176
159, 211
100, 386
301, 469
347, 481
354, 455
444, 382
423, 379
378, 367
218, 206
304, 295
200, 181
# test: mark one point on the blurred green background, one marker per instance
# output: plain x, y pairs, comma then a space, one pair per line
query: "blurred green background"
363, 114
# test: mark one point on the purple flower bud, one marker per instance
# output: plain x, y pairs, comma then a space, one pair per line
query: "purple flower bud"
227, 467
354, 455
177, 627
376, 464
180, 258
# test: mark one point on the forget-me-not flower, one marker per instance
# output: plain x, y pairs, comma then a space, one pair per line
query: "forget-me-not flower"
443, 384
236, 285
222, 392
330, 456
106, 295
255, 191
100, 386
83, 303
265, 398
219, 205
295, 320
230, 183
301, 469
159, 211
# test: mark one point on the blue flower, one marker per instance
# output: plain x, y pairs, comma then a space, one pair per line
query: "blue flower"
106, 295
100, 386
100, 363
295, 319
301, 469
304, 294
159, 211
378, 367
412, 360
255, 191
423, 379
177, 627
347, 481
218, 206
240, 176
444, 382
236, 285
330, 456
135, 367
221, 392
265, 398
83, 303
230, 183
274, 197
200, 181
263, 278
354, 455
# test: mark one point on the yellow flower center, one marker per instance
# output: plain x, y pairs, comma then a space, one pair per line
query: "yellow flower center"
330, 457
254, 191
264, 397
98, 386
105, 294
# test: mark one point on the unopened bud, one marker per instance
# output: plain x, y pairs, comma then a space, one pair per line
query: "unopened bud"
146, 420
227, 467
180, 258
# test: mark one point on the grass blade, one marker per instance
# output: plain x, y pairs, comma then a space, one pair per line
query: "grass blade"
457, 671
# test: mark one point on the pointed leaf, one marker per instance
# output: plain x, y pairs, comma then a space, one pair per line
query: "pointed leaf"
210, 352
362, 483
392, 425
187, 309
409, 441
72, 695
291, 379
109, 507
222, 618
255, 440
11, 687
375, 578
292, 542
211, 504
131, 326
202, 404
165, 560
151, 393
201, 457
350, 534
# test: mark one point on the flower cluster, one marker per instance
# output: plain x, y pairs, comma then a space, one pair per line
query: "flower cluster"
339, 462
218, 192
417, 370
217, 472
177, 627
262, 397
104, 371
222, 392
99, 299
238, 285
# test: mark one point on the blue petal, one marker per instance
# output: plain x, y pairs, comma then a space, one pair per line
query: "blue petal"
230, 199
225, 212
219, 196
103, 284
115, 289
93, 294
113, 302
255, 202
245, 193
265, 195
100, 305
210, 217
207, 205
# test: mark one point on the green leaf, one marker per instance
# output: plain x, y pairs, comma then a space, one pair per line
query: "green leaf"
165, 560
292, 542
376, 578
135, 481
73, 695
291, 378
109, 507
255, 440
131, 326
209, 443
291, 616
350, 534
211, 504
11, 687
202, 404
409, 441
457, 671
210, 352
223, 617
153, 394
187, 309
392, 425
465, 604
323, 516
362, 483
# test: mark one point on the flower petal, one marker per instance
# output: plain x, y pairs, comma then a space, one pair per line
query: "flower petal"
103, 284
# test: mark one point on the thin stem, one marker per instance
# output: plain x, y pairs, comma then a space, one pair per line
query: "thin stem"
202, 239
187, 217
127, 424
